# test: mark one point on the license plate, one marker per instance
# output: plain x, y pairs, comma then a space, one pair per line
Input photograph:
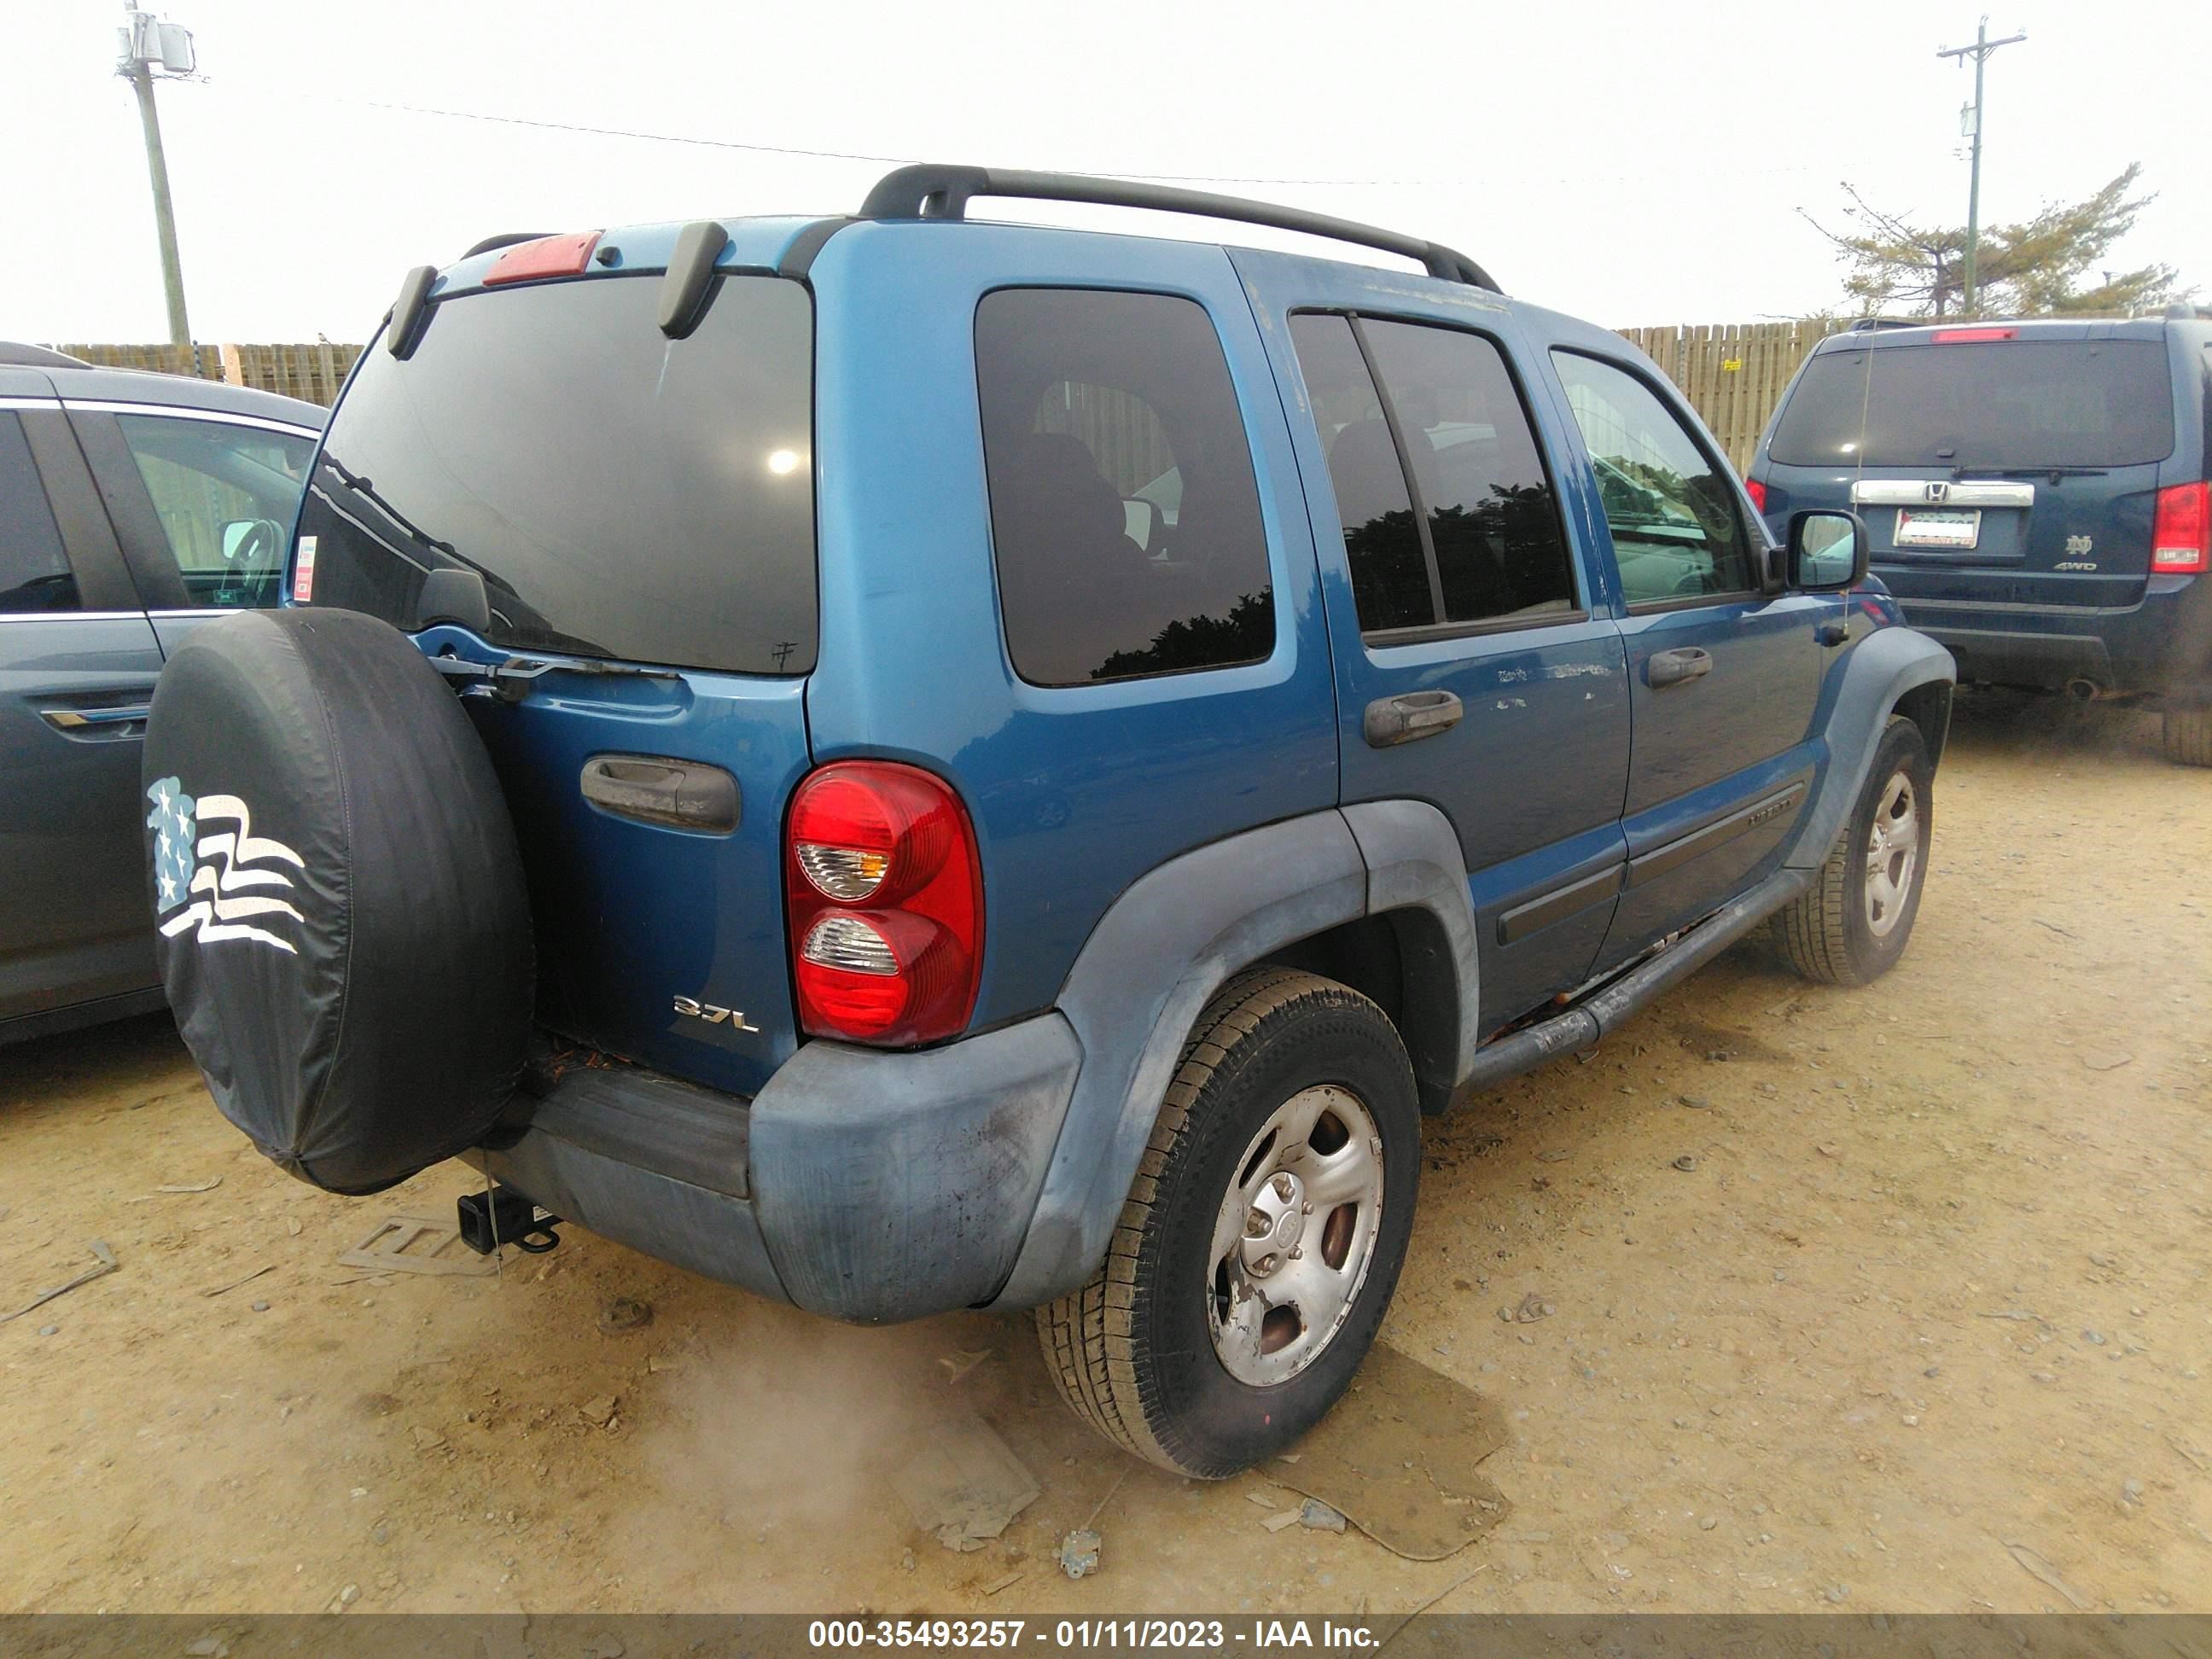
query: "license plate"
1918, 528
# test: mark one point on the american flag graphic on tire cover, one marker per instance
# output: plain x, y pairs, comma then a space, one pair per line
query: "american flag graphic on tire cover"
207, 859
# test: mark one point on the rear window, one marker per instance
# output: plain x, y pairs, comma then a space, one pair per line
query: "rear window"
1125, 521
621, 495
2017, 404
33, 575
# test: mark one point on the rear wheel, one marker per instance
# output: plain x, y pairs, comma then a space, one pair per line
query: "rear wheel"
1261, 1239
2189, 736
1851, 926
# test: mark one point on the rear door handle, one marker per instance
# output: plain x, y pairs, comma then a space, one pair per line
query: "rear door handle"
1393, 721
1685, 662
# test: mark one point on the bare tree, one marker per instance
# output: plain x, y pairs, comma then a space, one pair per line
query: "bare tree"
2035, 268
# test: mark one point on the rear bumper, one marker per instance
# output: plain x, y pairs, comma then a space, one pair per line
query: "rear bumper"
2162, 644
860, 1184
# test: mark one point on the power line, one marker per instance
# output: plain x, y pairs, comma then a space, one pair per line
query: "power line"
831, 154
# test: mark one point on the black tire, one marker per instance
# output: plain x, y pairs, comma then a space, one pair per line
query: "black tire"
1827, 934
1133, 1352
2189, 736
342, 924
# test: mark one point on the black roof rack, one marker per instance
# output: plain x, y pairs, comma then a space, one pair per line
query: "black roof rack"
1870, 325
931, 190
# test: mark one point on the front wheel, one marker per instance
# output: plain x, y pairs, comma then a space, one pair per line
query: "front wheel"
1261, 1239
1850, 927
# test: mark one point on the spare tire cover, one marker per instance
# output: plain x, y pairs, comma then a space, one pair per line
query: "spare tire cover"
343, 925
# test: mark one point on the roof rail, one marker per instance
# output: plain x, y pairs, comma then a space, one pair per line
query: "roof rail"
1870, 325
17, 355
931, 190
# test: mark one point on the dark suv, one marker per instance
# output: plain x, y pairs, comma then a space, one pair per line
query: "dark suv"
911, 764
2037, 494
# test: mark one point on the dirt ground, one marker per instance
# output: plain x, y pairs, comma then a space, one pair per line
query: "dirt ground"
1924, 1326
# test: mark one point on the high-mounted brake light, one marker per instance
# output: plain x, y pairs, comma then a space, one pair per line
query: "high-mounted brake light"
549, 256
2181, 531
1757, 491
1969, 335
885, 894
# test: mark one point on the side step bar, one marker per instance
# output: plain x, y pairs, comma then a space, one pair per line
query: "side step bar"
1605, 1009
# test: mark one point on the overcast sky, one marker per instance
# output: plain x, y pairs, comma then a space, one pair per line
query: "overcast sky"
1632, 164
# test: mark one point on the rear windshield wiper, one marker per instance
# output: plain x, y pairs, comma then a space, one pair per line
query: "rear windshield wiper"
512, 679
2053, 473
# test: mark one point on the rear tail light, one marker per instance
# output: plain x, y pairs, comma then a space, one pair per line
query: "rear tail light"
885, 891
1757, 491
2181, 534
1969, 335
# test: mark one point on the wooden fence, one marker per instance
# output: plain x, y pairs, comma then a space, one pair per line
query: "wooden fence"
312, 373
1732, 372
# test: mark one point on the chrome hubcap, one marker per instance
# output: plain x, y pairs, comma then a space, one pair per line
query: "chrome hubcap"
1295, 1235
1893, 855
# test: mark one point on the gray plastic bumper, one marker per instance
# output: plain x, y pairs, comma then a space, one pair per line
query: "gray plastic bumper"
865, 1185
889, 1186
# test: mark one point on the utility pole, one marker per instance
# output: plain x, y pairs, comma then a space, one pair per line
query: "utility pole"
148, 43
1980, 52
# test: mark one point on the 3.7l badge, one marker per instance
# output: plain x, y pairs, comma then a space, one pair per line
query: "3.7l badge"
713, 1016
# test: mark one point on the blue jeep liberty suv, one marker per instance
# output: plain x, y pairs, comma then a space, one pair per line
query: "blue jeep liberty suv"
911, 764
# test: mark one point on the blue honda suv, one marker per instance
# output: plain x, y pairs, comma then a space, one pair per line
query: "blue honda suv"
2037, 494
908, 765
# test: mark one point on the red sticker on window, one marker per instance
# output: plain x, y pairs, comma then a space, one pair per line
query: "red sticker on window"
303, 572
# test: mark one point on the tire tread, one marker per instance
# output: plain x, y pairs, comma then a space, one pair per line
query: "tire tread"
1086, 1336
2188, 734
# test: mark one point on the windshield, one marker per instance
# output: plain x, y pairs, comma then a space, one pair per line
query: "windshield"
2016, 404
619, 494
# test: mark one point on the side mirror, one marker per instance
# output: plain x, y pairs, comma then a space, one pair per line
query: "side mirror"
1827, 550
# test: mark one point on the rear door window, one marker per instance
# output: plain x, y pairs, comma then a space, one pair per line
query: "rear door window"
620, 494
226, 495
2010, 404
34, 573
1125, 519
1677, 534
1473, 536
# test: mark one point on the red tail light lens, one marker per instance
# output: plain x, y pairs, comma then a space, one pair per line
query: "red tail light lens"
549, 256
1757, 491
2181, 534
1971, 336
884, 892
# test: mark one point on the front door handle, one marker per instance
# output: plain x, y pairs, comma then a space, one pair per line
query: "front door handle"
1685, 662
119, 713
1393, 721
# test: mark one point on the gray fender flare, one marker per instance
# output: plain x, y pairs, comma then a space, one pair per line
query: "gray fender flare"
1881, 669
1168, 943
1160, 951
1417, 879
